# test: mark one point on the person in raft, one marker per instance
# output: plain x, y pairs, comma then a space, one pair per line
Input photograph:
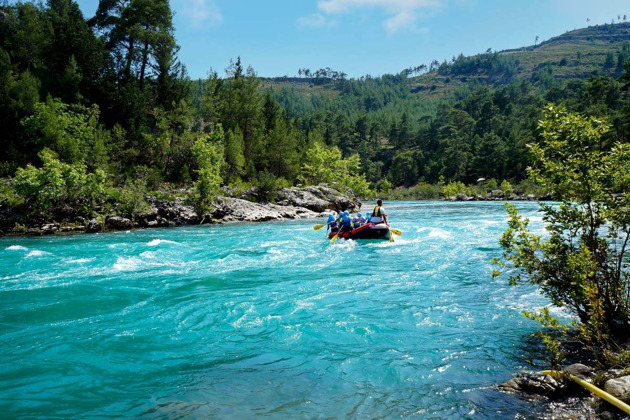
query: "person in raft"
345, 222
360, 220
379, 215
332, 222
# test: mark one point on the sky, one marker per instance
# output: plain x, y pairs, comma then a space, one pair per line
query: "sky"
359, 37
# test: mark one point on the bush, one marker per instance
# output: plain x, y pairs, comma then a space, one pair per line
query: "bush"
57, 183
507, 189
131, 201
208, 152
579, 263
452, 189
323, 164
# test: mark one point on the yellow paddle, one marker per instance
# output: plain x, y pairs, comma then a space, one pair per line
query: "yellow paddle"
318, 227
395, 231
334, 238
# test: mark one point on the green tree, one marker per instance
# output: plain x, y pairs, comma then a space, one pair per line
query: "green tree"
208, 152
74, 134
579, 263
234, 157
324, 164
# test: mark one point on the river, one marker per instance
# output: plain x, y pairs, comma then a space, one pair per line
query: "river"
234, 321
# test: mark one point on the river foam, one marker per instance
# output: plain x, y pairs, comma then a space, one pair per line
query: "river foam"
270, 319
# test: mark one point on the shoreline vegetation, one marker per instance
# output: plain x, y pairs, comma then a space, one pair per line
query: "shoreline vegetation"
131, 207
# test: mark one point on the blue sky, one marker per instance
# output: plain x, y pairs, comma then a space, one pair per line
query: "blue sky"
277, 37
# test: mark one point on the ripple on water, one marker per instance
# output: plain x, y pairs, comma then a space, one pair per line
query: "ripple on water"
265, 319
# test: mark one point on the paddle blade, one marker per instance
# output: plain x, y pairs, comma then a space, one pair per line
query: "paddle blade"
395, 231
391, 237
334, 238
318, 227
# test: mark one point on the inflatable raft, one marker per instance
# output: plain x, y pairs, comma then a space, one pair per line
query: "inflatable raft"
367, 231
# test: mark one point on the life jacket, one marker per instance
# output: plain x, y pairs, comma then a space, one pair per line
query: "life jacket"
332, 222
346, 222
376, 212
356, 222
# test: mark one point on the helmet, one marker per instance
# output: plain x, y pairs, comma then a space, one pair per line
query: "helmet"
359, 215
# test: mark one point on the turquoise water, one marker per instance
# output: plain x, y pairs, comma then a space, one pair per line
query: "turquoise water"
267, 319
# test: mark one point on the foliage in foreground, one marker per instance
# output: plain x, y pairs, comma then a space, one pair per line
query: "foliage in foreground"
580, 263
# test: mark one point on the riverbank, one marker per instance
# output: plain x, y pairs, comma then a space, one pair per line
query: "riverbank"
564, 398
171, 208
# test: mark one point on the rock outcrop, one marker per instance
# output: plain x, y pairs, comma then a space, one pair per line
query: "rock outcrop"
619, 387
235, 209
535, 384
291, 203
319, 198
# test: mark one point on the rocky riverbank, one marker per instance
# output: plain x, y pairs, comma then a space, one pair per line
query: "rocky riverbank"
247, 206
566, 399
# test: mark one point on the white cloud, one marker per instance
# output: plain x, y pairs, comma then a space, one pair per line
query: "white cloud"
200, 12
315, 20
402, 14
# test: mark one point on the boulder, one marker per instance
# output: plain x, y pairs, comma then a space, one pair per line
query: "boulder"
532, 383
619, 387
118, 223
236, 209
497, 194
461, 197
581, 371
301, 198
93, 226
531, 197
337, 200
34, 232
188, 216
50, 228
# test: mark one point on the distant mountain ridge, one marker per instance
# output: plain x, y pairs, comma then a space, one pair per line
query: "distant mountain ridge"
577, 54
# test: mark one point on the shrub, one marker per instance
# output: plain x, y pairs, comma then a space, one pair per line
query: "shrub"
208, 152
58, 183
507, 189
456, 187
579, 263
131, 201
323, 164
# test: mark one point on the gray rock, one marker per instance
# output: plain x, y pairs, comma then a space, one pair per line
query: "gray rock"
497, 194
532, 383
619, 387
337, 200
580, 370
118, 223
461, 197
531, 197
301, 198
236, 209
50, 228
93, 226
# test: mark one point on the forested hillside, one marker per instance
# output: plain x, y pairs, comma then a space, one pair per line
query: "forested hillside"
467, 118
103, 102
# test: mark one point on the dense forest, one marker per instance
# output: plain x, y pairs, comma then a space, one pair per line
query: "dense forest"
104, 103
